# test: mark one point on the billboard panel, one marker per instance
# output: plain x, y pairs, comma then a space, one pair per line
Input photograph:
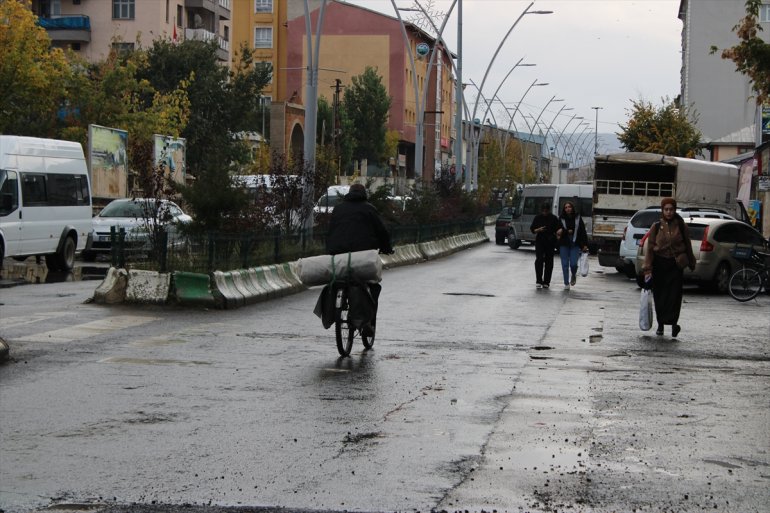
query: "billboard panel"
171, 152
108, 160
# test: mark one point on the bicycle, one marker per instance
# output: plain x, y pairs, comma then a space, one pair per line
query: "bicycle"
346, 329
746, 283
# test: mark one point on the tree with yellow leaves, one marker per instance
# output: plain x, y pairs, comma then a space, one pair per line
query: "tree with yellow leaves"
33, 75
665, 130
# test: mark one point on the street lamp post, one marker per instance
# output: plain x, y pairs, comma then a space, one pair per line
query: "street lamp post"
540, 156
526, 11
534, 83
311, 109
420, 101
596, 130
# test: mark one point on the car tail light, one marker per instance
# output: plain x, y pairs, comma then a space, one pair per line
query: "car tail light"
644, 239
705, 245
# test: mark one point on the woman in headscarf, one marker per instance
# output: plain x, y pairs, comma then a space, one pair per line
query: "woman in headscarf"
572, 240
667, 253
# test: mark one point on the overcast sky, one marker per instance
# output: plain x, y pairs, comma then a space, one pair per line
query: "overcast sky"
592, 53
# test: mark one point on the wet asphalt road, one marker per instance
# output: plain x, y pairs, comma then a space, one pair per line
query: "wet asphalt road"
481, 393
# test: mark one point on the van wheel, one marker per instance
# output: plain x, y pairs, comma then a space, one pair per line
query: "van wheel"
513, 242
63, 260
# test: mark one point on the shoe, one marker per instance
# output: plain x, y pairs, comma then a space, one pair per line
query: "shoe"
546, 285
659, 331
539, 286
566, 286
573, 281
675, 329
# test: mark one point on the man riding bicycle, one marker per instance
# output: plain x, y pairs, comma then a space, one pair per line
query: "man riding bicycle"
356, 225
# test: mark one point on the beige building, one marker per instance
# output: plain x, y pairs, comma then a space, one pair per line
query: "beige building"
92, 27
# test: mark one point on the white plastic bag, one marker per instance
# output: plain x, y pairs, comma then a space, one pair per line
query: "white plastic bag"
583, 264
645, 310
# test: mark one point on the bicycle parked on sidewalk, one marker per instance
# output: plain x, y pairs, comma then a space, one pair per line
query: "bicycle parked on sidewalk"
746, 283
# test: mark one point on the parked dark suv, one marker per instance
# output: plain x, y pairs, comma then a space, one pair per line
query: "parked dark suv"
501, 225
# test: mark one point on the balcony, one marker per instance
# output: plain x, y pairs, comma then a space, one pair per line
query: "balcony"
223, 50
76, 29
220, 7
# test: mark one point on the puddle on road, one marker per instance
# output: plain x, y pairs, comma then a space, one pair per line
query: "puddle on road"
14, 274
153, 361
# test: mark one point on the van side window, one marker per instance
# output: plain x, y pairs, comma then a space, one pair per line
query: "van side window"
33, 191
54, 190
532, 205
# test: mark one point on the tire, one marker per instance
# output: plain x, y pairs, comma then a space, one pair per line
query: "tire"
721, 281
513, 242
745, 284
640, 280
369, 340
64, 259
344, 332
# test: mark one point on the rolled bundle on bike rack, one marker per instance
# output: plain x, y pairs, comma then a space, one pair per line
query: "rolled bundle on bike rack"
319, 270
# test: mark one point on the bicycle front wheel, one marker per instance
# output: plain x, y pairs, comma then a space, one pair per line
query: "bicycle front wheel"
344, 331
368, 339
745, 284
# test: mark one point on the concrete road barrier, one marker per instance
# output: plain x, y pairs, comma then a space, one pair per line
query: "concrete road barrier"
147, 287
112, 290
192, 289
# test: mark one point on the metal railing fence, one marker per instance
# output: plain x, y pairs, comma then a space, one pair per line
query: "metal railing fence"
214, 251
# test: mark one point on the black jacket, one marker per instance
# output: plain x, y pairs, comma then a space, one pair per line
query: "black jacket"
355, 225
579, 237
551, 224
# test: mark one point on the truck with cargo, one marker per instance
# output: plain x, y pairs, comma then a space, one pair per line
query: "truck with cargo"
627, 182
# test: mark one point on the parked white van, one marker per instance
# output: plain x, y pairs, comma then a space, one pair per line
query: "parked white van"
45, 200
555, 195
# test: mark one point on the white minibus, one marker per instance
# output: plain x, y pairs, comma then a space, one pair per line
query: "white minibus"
45, 200
555, 196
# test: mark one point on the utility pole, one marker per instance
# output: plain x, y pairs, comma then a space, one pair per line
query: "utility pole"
596, 130
337, 128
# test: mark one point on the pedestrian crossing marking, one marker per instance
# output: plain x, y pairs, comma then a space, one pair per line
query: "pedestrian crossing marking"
21, 320
89, 329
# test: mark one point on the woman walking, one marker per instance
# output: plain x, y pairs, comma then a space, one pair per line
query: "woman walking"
668, 252
572, 240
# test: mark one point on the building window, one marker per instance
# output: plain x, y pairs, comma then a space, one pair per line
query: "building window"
263, 37
167, 9
179, 15
123, 9
263, 5
123, 49
764, 13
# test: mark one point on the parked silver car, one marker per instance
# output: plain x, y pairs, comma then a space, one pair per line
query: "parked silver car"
712, 240
135, 216
640, 224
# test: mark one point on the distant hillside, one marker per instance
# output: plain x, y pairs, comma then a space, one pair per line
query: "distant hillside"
608, 143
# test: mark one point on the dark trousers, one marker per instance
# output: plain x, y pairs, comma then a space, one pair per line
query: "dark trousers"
667, 283
544, 251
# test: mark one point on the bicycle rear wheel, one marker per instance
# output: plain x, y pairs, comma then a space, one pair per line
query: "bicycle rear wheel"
368, 340
745, 284
343, 330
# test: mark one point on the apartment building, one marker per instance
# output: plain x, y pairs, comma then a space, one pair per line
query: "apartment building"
92, 27
355, 37
727, 115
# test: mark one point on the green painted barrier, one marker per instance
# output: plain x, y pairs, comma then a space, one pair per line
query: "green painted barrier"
192, 289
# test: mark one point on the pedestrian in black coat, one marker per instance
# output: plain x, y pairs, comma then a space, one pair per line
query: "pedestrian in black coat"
544, 226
